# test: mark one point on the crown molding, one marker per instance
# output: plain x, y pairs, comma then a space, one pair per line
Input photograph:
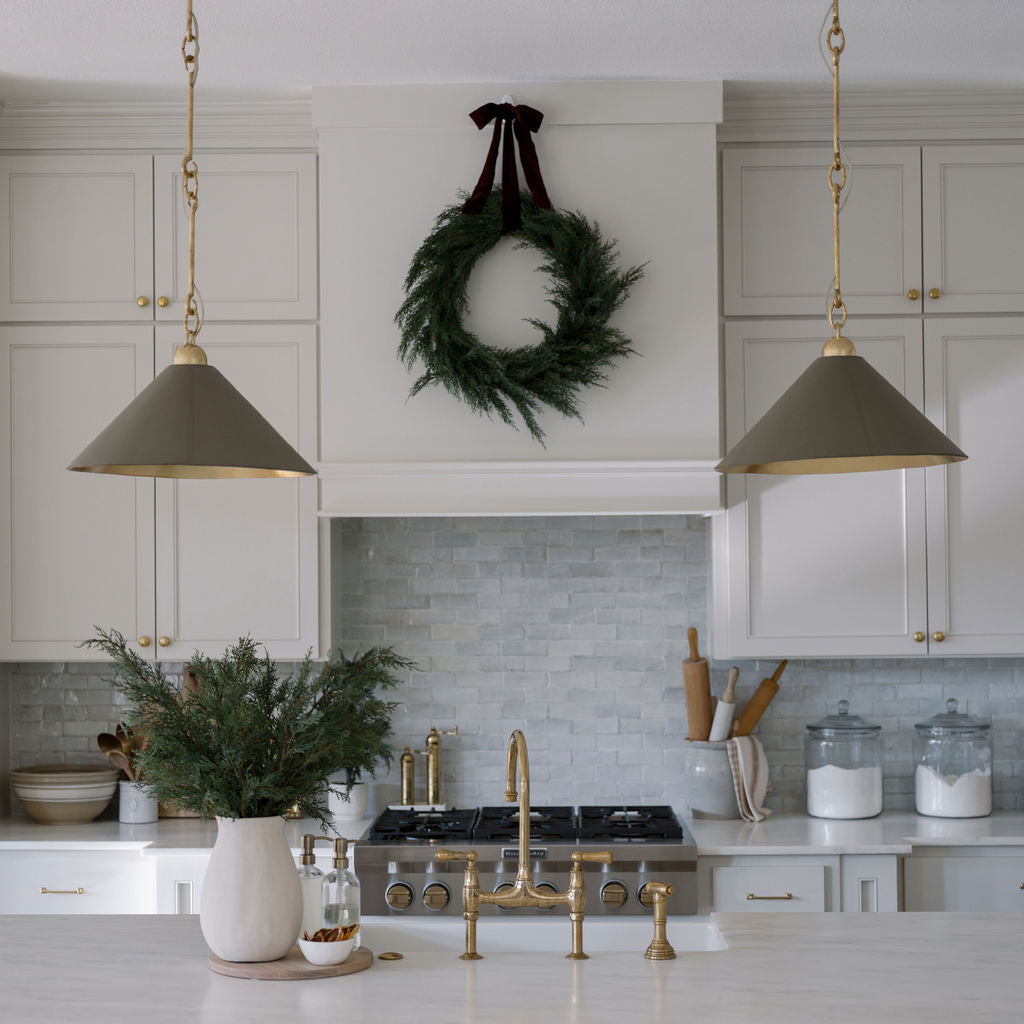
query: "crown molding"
777, 114
156, 126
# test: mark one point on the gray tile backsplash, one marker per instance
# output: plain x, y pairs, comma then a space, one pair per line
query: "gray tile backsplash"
572, 629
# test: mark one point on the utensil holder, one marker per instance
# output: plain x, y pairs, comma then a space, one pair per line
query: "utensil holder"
136, 804
707, 780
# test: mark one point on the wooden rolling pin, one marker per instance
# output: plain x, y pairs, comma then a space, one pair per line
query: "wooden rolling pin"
751, 714
697, 687
725, 709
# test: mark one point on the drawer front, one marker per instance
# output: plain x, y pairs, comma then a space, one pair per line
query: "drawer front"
769, 888
978, 884
109, 885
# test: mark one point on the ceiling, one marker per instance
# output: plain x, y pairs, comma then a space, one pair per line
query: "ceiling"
111, 50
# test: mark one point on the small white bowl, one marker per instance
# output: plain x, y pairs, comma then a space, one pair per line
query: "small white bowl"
325, 954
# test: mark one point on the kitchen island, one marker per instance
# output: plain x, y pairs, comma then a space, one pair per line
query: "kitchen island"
782, 968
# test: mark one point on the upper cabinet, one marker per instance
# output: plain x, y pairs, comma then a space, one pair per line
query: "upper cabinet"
91, 238
940, 208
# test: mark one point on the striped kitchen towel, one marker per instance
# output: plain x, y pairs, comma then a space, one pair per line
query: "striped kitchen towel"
749, 776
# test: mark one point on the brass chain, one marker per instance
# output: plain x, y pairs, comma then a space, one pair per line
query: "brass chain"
836, 41
190, 173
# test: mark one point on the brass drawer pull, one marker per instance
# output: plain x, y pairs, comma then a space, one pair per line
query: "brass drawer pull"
787, 896
61, 892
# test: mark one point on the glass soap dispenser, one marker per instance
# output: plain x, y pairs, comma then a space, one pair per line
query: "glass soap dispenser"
311, 881
341, 892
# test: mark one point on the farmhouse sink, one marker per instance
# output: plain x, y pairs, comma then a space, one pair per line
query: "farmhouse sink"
516, 935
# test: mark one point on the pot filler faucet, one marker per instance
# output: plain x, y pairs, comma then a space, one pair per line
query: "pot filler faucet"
523, 893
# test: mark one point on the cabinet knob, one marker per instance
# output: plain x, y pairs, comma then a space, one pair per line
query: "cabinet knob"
163, 302
919, 637
938, 636
144, 641
142, 302
164, 641
913, 295
935, 293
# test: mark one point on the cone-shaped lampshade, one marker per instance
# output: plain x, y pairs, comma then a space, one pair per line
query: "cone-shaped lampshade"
840, 416
191, 422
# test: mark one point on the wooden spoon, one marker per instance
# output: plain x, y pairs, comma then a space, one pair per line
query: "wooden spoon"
109, 742
125, 739
122, 762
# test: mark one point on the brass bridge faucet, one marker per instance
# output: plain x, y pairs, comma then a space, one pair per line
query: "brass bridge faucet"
523, 893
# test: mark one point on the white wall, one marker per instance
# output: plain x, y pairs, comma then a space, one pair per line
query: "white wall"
637, 158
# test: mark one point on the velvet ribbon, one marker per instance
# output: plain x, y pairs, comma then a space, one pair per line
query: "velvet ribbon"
519, 122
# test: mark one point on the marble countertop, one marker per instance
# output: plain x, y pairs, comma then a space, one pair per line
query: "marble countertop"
839, 968
895, 832
891, 832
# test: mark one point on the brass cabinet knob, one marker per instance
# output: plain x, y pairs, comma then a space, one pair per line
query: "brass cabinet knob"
938, 636
398, 896
144, 641
913, 295
935, 293
436, 896
142, 302
163, 302
164, 641
919, 637
614, 894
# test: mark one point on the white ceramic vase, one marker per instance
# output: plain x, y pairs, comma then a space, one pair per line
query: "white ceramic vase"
354, 808
251, 907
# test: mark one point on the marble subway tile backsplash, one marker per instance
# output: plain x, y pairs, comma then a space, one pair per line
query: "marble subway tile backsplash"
573, 629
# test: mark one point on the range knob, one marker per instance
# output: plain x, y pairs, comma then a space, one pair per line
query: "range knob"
398, 896
614, 894
436, 896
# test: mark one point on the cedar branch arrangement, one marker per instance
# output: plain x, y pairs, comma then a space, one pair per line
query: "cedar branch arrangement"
250, 744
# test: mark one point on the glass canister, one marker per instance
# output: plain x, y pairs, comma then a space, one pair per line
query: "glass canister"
953, 755
843, 756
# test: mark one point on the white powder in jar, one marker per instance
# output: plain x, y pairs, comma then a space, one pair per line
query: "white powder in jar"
953, 796
834, 792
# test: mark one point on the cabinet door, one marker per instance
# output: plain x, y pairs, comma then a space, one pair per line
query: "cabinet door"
817, 566
77, 548
777, 230
974, 380
256, 236
975, 883
238, 557
77, 237
973, 228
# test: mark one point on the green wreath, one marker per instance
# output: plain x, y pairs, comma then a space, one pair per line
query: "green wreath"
585, 289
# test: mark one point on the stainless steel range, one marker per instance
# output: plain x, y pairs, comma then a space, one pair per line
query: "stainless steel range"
399, 874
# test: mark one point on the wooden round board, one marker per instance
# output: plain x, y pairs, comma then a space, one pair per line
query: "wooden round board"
293, 966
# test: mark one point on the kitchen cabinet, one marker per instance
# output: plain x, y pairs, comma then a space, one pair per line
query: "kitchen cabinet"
104, 237
990, 879
886, 564
43, 881
195, 563
923, 229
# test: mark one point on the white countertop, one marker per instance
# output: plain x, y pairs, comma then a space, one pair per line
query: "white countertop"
891, 832
838, 968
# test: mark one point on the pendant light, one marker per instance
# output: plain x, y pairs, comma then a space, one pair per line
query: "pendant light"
190, 421
841, 415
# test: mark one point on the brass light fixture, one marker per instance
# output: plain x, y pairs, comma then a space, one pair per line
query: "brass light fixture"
840, 415
191, 421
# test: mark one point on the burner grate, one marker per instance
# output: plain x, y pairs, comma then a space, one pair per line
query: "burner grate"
629, 824
547, 824
396, 826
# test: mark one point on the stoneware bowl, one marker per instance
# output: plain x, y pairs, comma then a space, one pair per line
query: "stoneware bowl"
65, 794
325, 954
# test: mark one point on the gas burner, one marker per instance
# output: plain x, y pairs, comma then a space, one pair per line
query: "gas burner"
547, 824
636, 824
396, 826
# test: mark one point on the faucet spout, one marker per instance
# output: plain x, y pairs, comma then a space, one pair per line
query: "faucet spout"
519, 764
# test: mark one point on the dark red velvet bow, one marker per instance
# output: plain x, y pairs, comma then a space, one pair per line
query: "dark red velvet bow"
520, 120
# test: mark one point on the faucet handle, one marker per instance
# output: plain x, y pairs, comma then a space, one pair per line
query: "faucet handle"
601, 856
469, 856
444, 732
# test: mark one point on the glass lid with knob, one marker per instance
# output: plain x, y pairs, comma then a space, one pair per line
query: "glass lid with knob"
844, 724
953, 722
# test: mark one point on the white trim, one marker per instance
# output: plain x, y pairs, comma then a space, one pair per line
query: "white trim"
563, 103
518, 488
774, 114
148, 126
